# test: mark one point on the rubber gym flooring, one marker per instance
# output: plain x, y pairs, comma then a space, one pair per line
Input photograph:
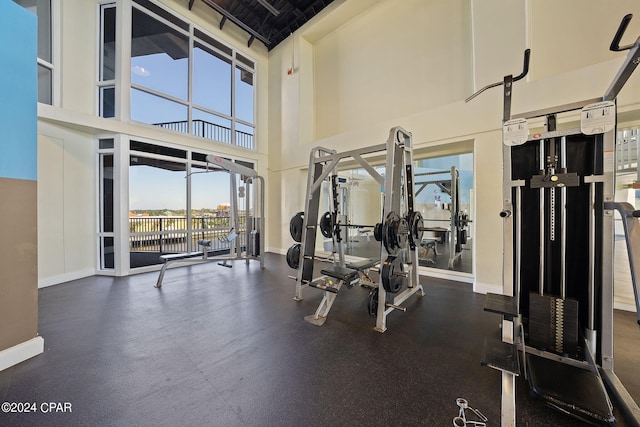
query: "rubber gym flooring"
229, 347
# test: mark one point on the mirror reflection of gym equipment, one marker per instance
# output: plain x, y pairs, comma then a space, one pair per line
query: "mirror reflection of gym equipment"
558, 213
446, 219
360, 198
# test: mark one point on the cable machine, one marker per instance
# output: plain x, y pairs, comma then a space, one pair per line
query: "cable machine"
557, 302
253, 248
400, 232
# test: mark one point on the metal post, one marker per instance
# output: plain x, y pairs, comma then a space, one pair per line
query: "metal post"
541, 270
563, 221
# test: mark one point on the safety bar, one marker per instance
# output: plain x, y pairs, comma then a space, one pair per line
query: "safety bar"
525, 71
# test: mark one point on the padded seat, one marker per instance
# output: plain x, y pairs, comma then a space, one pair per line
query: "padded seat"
347, 275
363, 265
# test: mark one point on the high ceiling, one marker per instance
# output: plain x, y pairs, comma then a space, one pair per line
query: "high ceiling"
269, 21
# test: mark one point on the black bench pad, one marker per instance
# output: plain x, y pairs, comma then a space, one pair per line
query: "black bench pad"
347, 275
363, 265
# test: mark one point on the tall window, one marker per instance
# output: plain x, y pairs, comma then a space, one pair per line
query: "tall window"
176, 199
106, 226
107, 66
42, 9
182, 79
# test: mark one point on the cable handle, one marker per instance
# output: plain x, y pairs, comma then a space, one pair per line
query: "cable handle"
525, 71
615, 43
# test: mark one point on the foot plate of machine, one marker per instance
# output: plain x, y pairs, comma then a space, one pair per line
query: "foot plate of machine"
500, 355
570, 389
501, 304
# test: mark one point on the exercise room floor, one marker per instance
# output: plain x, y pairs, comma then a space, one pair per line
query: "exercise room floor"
229, 347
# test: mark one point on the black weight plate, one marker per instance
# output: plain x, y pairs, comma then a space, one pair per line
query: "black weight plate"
293, 256
416, 223
377, 231
372, 305
326, 225
295, 226
392, 279
402, 233
389, 232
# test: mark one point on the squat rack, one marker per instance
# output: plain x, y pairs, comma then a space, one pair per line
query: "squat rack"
400, 230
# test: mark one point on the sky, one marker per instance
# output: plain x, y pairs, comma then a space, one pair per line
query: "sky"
153, 188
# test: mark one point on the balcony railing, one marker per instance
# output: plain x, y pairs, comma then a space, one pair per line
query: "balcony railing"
211, 131
172, 235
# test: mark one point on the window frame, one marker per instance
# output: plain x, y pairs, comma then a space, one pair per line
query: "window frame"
123, 86
54, 48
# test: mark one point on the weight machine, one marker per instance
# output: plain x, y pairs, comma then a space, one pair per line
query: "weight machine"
254, 225
557, 301
459, 220
400, 231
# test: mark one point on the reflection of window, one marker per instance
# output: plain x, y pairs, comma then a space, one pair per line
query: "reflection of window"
42, 9
159, 56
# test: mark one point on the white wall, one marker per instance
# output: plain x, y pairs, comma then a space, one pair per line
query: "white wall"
412, 63
372, 68
66, 204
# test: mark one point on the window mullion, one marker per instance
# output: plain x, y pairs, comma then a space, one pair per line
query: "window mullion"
233, 100
123, 60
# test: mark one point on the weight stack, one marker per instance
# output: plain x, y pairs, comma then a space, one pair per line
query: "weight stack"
553, 324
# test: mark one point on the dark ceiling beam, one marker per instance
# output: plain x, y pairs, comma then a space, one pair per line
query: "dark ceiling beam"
294, 8
236, 21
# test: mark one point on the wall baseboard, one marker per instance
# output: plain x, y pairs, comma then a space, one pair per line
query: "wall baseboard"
446, 274
21, 352
67, 277
279, 251
484, 288
625, 306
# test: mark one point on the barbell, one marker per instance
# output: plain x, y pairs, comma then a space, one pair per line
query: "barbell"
394, 232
